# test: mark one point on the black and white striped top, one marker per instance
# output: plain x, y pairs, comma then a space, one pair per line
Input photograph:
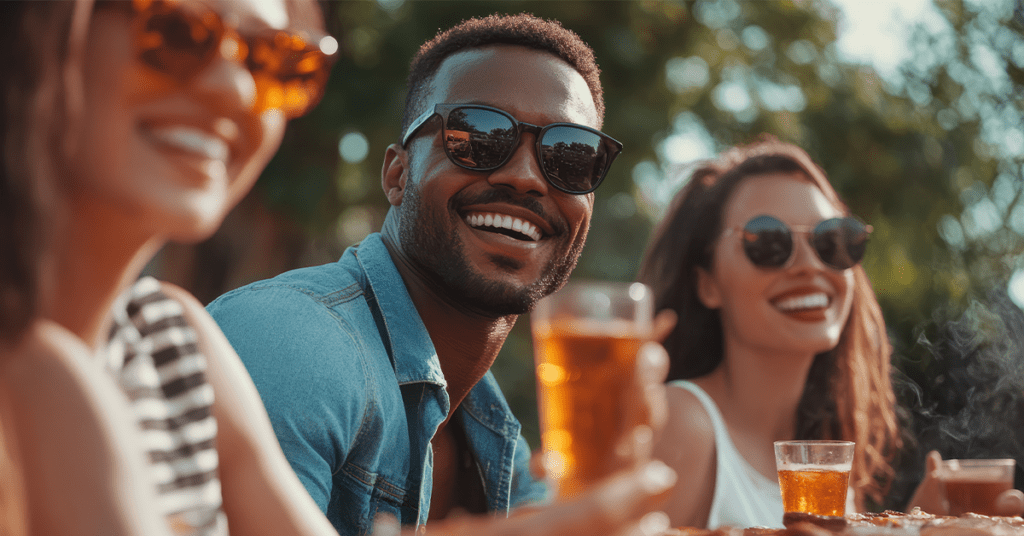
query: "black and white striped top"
154, 356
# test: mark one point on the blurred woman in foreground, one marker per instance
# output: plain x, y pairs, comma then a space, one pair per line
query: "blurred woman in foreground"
779, 335
126, 125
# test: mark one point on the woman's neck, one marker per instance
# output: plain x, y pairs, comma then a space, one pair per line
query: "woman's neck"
759, 392
98, 255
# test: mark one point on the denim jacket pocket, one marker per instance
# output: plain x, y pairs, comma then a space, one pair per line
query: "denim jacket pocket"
379, 495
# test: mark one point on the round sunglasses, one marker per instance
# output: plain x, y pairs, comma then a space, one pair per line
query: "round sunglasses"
838, 242
180, 39
573, 158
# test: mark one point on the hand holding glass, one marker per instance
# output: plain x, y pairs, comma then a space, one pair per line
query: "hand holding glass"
814, 475
586, 338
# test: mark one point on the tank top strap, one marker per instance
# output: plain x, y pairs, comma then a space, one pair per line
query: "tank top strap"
742, 496
717, 422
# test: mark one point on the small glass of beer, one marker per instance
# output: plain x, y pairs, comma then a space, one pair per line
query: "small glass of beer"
814, 475
586, 337
974, 485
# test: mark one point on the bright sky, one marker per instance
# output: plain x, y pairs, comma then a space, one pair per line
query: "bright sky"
874, 31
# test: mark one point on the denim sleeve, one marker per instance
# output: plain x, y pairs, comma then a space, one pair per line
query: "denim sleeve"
313, 389
526, 490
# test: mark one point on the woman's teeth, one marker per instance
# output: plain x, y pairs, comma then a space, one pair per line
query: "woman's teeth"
504, 221
192, 140
817, 300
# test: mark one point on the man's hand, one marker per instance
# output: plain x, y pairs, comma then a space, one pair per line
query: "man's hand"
625, 503
647, 403
930, 495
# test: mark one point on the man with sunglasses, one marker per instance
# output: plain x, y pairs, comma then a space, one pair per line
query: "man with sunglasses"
375, 369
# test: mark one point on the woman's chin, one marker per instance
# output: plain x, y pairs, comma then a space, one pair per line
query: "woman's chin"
193, 231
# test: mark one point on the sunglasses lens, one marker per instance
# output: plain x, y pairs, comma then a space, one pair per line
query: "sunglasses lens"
290, 74
177, 42
767, 242
174, 39
840, 242
574, 159
479, 139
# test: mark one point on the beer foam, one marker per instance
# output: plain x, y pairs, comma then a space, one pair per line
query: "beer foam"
839, 467
617, 328
974, 474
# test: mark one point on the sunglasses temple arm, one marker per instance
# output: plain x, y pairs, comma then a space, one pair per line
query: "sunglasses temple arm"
416, 125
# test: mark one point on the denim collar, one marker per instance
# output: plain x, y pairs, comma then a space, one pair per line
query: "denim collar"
484, 402
401, 319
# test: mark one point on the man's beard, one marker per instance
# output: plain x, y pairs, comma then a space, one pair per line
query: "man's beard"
428, 238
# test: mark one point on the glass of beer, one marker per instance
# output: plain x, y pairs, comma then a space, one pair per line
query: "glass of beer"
586, 337
974, 485
814, 475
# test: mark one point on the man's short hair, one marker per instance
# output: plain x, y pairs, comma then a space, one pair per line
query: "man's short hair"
523, 29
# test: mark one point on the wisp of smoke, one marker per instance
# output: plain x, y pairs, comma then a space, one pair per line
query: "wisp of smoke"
965, 397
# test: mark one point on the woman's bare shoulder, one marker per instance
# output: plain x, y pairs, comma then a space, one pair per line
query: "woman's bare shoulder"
47, 358
687, 444
78, 443
688, 433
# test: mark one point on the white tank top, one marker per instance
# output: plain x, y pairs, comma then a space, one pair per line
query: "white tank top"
743, 497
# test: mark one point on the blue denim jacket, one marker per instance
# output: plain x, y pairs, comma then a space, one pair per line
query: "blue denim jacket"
355, 392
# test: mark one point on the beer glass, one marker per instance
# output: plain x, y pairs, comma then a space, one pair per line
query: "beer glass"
974, 485
586, 337
814, 475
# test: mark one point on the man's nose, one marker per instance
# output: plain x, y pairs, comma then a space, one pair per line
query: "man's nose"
522, 172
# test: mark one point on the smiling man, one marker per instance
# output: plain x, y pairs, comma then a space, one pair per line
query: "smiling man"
375, 369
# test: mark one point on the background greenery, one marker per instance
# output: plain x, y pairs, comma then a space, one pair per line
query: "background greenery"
931, 157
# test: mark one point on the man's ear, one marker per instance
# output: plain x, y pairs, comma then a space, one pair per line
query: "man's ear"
707, 289
393, 173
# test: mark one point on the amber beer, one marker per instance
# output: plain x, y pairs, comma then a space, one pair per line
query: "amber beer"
586, 339
583, 374
814, 491
814, 475
974, 485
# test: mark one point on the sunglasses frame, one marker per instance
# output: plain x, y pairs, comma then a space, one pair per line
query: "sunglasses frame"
443, 110
791, 230
244, 46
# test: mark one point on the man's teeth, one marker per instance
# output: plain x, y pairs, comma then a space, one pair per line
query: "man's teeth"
504, 221
192, 140
817, 300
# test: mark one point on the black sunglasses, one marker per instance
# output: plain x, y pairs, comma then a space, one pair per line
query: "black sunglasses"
838, 242
574, 158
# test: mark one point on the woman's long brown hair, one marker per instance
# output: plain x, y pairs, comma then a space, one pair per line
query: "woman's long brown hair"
40, 102
40, 98
848, 394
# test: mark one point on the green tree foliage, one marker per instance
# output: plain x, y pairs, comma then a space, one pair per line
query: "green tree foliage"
931, 158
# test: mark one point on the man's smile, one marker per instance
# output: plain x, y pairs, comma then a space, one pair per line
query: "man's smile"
504, 224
